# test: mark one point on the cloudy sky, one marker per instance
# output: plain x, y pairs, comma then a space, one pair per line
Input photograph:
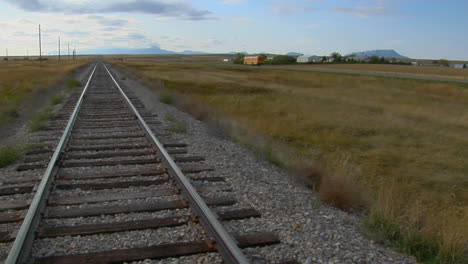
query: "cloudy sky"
415, 28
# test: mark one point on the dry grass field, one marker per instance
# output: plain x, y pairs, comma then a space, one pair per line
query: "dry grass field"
396, 147
20, 80
426, 71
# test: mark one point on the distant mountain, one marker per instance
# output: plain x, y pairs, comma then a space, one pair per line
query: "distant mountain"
235, 52
192, 52
381, 53
150, 50
294, 54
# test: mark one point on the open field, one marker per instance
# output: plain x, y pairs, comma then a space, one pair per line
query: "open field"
398, 147
424, 71
215, 60
21, 80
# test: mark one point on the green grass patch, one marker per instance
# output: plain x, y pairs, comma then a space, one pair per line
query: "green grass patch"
176, 125
73, 83
169, 117
8, 155
411, 243
123, 78
40, 120
56, 99
167, 99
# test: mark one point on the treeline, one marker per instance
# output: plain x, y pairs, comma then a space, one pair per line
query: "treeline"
335, 57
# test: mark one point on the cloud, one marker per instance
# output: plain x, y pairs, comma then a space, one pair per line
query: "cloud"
28, 5
89, 31
290, 9
160, 8
109, 22
363, 12
177, 10
136, 36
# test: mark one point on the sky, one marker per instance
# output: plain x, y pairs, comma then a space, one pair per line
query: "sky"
431, 29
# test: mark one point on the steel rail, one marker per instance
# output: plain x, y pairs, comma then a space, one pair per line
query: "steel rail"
225, 244
21, 248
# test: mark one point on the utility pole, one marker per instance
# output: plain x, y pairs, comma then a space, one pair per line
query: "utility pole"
68, 50
74, 53
59, 50
7, 54
40, 48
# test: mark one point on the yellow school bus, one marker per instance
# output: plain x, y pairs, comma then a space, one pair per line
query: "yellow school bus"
254, 60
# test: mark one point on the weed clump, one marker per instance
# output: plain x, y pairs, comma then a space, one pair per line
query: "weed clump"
175, 125
73, 83
167, 99
8, 155
56, 99
39, 121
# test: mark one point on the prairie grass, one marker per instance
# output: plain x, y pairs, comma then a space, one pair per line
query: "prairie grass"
19, 81
431, 71
397, 147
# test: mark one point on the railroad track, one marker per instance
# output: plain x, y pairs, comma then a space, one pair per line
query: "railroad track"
114, 176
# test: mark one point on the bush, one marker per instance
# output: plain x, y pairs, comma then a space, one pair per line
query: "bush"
239, 59
282, 59
341, 191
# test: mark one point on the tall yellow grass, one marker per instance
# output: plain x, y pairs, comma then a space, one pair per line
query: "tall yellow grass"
396, 146
20, 80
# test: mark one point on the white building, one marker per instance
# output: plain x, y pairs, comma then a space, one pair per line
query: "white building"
308, 58
459, 65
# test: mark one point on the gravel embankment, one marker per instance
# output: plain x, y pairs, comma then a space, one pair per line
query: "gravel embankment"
310, 231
